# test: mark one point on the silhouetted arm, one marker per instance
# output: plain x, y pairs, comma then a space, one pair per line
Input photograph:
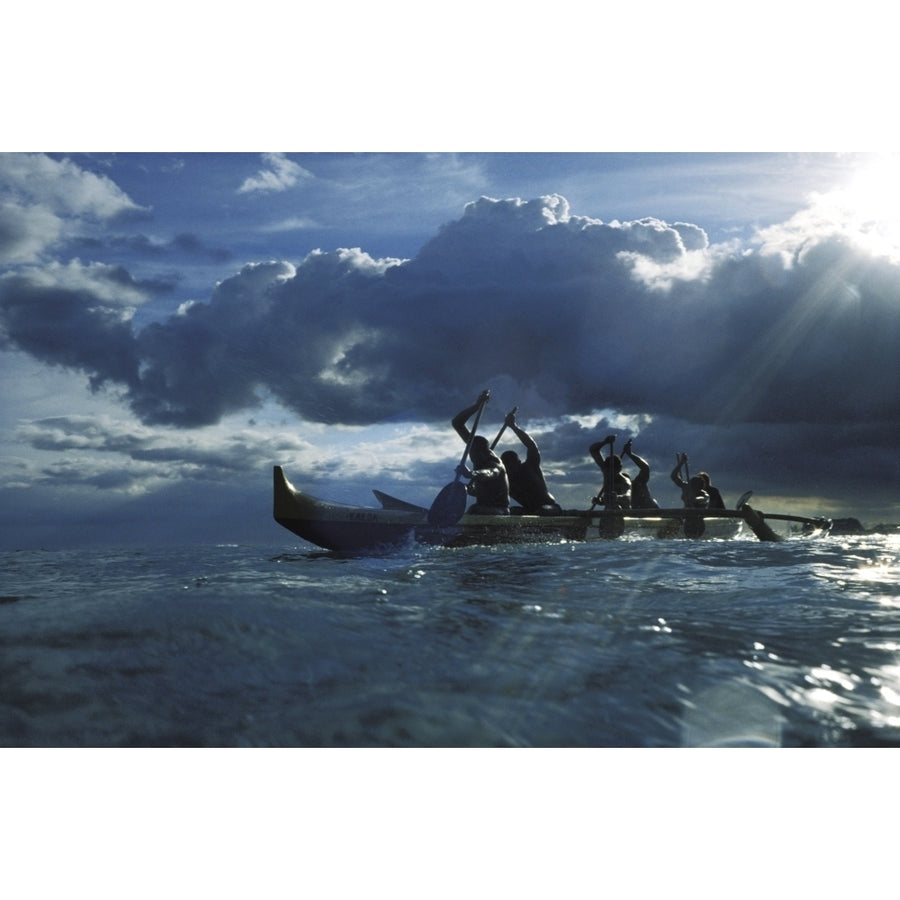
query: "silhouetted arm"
595, 449
527, 441
460, 419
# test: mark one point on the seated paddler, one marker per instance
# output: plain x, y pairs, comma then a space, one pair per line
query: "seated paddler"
641, 498
488, 482
616, 490
693, 488
527, 485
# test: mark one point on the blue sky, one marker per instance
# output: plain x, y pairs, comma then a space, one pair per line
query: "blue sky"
173, 324
180, 311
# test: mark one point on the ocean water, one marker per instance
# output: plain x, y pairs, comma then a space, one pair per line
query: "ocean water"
632, 643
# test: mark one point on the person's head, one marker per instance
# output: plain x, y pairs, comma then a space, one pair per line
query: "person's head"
482, 455
706, 479
698, 484
510, 459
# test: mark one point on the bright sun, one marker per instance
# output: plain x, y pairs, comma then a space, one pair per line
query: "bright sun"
867, 207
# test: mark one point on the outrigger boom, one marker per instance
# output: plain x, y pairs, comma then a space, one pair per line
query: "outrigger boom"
350, 529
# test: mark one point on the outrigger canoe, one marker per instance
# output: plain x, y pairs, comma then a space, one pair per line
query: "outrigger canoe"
352, 529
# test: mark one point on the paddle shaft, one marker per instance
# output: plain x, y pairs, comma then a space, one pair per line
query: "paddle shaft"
611, 473
465, 455
681, 459
514, 410
450, 504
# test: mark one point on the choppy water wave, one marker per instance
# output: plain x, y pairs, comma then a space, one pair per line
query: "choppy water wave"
631, 643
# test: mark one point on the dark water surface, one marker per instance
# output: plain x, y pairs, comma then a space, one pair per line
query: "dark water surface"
623, 644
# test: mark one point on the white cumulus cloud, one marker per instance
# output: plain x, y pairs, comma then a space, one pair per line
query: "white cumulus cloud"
279, 175
43, 200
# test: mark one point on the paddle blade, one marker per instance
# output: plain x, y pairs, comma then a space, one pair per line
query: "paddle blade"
449, 505
743, 499
694, 528
612, 527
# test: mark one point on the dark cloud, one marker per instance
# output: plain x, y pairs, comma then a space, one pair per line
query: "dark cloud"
73, 327
193, 245
184, 244
579, 314
588, 315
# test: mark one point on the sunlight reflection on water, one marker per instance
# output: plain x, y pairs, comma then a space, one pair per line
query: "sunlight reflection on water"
654, 644
731, 715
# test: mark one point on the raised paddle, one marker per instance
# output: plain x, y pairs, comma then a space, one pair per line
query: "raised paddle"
450, 503
611, 477
496, 440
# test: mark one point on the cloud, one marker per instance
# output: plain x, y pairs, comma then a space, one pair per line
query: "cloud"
25, 232
43, 200
578, 314
280, 175
192, 245
183, 245
74, 316
294, 223
145, 457
62, 186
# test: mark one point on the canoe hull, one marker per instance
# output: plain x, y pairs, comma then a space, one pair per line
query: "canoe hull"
344, 528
